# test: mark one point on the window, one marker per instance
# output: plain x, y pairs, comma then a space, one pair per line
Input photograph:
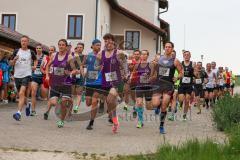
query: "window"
132, 40
75, 27
9, 20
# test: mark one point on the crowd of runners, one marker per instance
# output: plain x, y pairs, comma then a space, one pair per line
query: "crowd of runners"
108, 76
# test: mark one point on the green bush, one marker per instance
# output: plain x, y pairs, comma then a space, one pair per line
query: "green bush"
226, 112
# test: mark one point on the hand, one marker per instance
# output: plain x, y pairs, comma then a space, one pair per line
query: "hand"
16, 58
175, 79
33, 68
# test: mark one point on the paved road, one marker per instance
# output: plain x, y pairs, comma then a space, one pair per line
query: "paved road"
21, 140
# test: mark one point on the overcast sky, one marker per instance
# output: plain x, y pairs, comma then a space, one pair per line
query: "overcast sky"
212, 29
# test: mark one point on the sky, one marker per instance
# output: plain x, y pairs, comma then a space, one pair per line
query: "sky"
212, 29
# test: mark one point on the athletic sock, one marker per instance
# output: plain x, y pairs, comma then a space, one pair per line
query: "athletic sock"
91, 122
207, 101
19, 112
162, 118
140, 113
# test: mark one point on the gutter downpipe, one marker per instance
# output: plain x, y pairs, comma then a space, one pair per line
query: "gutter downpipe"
96, 19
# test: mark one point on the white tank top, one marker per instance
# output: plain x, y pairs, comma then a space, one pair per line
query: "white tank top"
210, 83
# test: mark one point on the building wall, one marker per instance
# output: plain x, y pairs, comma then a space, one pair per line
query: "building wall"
121, 23
148, 9
46, 20
104, 18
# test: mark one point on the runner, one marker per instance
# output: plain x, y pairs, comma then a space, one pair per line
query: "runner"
227, 78
133, 81
144, 87
78, 83
112, 61
233, 81
22, 61
174, 101
186, 84
220, 82
60, 90
215, 90
199, 81
210, 85
37, 79
93, 81
165, 80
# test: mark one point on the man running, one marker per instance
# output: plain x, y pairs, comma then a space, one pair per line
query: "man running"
58, 72
93, 81
215, 90
227, 78
112, 61
165, 81
186, 84
22, 61
210, 86
220, 82
37, 79
199, 80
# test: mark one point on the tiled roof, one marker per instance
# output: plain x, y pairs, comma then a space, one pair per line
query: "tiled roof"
16, 36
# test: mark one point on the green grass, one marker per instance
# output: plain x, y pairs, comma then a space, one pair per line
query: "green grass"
226, 115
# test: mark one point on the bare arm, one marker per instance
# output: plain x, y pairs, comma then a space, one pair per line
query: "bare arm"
179, 68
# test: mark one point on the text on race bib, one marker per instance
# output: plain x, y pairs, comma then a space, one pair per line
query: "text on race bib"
144, 79
92, 75
198, 81
38, 71
58, 71
164, 71
78, 76
186, 80
112, 76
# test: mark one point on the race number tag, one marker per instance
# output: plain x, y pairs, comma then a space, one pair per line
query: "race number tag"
58, 71
78, 76
92, 74
221, 82
38, 71
112, 76
198, 81
144, 79
51, 70
164, 71
186, 80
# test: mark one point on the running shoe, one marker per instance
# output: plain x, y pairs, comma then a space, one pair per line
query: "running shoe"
115, 128
139, 124
171, 117
157, 111
60, 124
162, 130
75, 109
110, 120
184, 118
45, 116
33, 113
17, 116
125, 107
89, 127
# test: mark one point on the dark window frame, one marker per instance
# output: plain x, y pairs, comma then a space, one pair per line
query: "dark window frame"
9, 17
130, 47
75, 26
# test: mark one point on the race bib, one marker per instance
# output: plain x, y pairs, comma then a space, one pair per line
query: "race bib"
144, 79
38, 71
92, 74
198, 81
51, 70
78, 76
112, 76
164, 71
58, 71
221, 82
186, 80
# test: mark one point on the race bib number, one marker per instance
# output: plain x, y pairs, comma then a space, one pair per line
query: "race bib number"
58, 71
38, 71
198, 81
112, 76
144, 79
93, 75
186, 80
51, 70
221, 82
164, 71
78, 76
